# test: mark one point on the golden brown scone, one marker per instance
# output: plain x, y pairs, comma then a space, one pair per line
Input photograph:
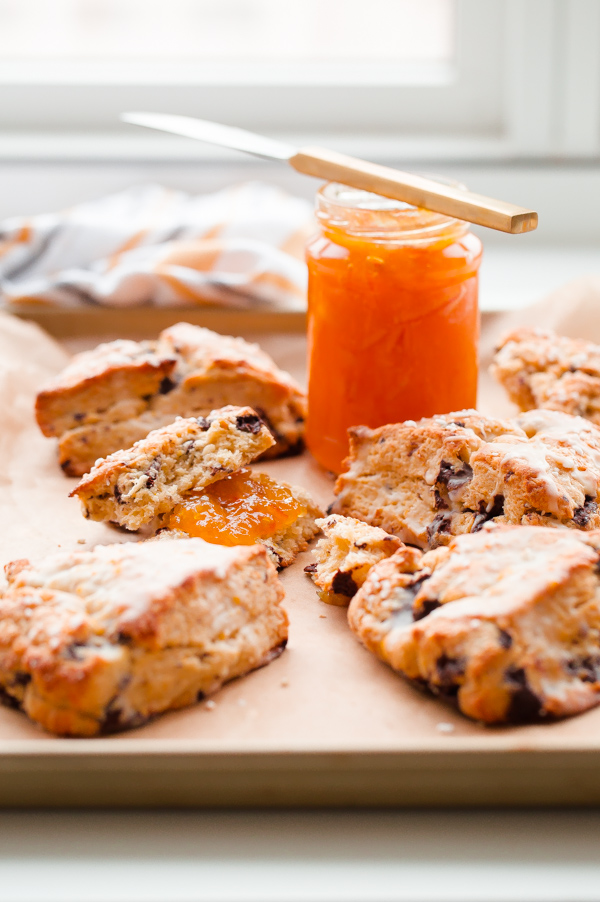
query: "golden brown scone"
542, 369
505, 623
447, 475
102, 640
113, 396
134, 486
344, 556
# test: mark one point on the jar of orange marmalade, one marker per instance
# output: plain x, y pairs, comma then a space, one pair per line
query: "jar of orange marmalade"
393, 321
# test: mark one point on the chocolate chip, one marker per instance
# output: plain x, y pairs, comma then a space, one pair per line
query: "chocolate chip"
310, 568
203, 423
65, 465
166, 386
586, 669
152, 472
117, 494
112, 721
403, 602
452, 478
448, 671
200, 696
484, 515
524, 704
146, 398
249, 423
9, 700
582, 515
330, 508
343, 584
504, 638
72, 653
438, 501
425, 607
21, 678
440, 523
78, 417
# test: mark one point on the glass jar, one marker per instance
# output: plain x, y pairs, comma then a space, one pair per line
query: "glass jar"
393, 321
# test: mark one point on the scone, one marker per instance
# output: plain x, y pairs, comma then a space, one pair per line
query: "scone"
505, 623
542, 369
344, 556
110, 397
244, 508
134, 486
102, 640
429, 480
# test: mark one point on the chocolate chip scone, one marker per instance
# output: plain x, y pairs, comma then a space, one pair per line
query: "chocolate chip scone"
344, 556
429, 480
134, 486
110, 397
542, 369
505, 623
102, 640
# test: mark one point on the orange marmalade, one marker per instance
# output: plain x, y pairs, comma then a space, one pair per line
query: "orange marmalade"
237, 510
393, 320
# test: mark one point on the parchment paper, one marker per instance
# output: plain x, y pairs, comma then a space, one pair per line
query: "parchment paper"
325, 691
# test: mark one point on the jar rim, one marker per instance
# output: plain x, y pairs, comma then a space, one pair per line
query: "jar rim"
363, 213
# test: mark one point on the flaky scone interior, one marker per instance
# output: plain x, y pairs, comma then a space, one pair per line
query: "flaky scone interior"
344, 555
108, 398
504, 623
100, 640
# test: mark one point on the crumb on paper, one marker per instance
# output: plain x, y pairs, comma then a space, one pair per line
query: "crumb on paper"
323, 616
285, 684
81, 541
443, 727
210, 705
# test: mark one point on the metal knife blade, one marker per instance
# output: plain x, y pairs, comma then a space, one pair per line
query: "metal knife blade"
213, 133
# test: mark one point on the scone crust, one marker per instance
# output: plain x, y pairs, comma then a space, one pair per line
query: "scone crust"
540, 369
104, 639
113, 396
447, 475
345, 554
505, 623
134, 486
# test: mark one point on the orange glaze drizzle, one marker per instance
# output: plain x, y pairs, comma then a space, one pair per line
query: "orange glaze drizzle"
237, 510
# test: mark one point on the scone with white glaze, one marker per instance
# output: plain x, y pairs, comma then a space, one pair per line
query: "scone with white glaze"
504, 623
101, 640
133, 487
345, 554
539, 368
446, 475
111, 397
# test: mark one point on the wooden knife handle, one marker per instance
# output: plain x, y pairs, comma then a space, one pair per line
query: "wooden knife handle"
414, 189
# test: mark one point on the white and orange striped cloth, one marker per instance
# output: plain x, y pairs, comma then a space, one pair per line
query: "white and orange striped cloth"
240, 247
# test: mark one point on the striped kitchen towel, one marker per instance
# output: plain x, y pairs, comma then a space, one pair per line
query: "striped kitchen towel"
239, 247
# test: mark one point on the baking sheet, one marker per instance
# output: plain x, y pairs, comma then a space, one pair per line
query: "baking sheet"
326, 723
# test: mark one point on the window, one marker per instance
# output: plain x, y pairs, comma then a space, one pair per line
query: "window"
391, 79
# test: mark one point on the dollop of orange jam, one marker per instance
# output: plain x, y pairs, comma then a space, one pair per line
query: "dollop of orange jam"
237, 510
